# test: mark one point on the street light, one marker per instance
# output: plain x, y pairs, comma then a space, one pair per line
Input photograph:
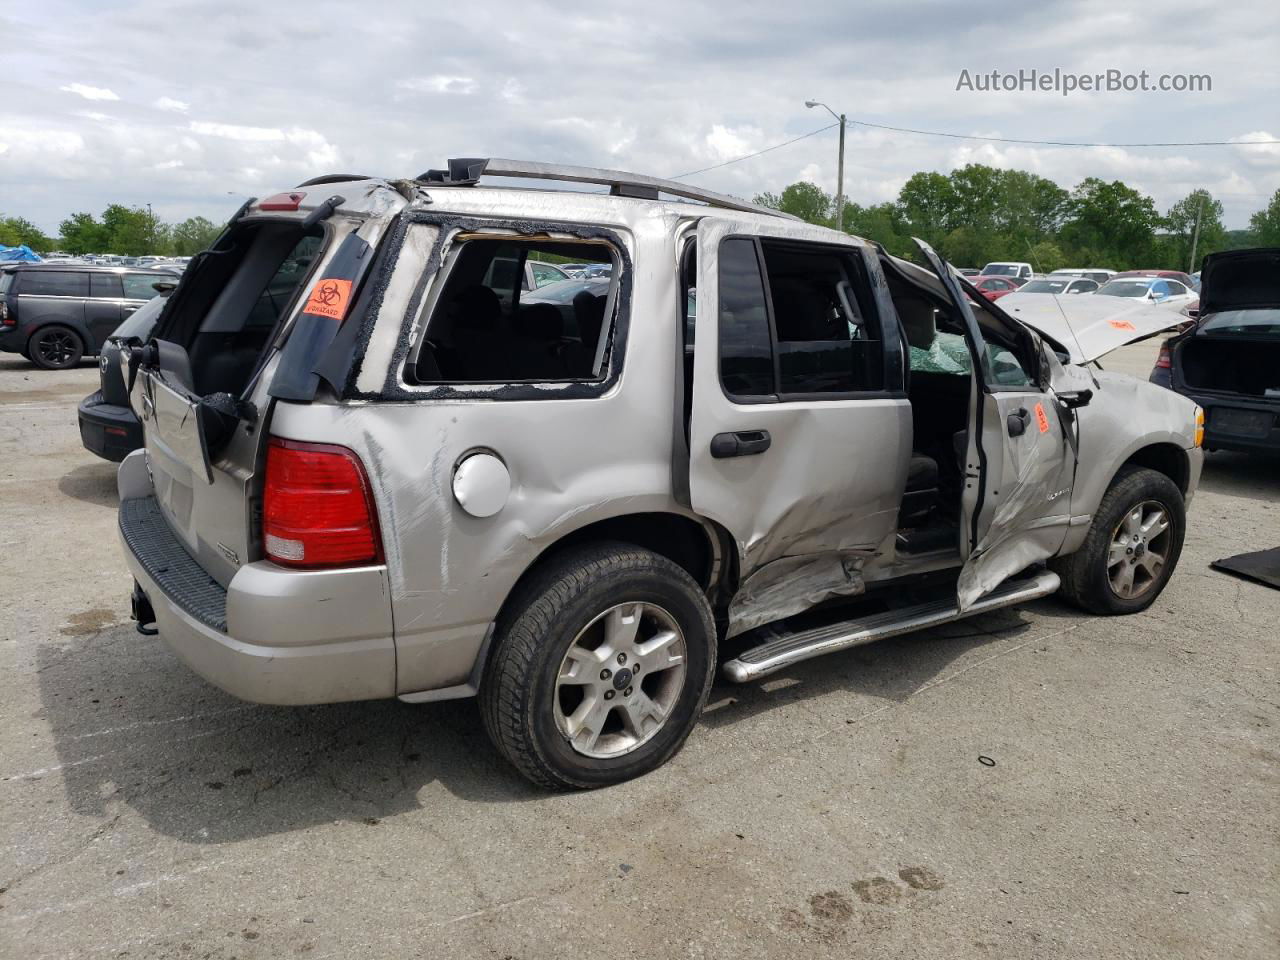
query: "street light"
839, 169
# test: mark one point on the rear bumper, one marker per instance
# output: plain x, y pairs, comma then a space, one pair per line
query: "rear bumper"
106, 430
1217, 438
273, 635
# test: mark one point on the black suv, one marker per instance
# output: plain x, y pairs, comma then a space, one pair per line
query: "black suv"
55, 313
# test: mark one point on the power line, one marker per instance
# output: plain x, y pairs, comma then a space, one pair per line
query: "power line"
776, 146
1062, 143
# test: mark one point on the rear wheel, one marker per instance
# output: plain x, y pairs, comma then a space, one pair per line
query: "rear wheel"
601, 667
55, 348
1132, 546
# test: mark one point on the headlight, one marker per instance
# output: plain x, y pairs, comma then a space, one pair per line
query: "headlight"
1199, 426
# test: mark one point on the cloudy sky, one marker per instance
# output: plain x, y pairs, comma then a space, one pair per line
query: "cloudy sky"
191, 105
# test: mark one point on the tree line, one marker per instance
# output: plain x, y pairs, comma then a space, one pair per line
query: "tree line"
979, 214
129, 231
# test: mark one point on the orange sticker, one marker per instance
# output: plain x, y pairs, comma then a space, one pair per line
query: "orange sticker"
1041, 420
329, 298
1121, 324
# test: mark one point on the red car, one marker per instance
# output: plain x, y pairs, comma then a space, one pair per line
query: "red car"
993, 287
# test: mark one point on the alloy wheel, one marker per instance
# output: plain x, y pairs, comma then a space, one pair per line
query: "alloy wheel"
1139, 547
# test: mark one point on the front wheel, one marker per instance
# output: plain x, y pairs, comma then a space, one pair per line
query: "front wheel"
55, 348
601, 667
1132, 546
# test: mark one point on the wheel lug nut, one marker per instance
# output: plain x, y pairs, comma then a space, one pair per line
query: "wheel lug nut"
606, 673
626, 692
608, 694
622, 658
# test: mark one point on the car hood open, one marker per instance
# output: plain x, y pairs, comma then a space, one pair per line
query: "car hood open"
1090, 326
1240, 280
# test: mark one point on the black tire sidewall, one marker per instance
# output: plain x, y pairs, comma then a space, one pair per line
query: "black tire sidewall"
630, 583
1136, 488
33, 351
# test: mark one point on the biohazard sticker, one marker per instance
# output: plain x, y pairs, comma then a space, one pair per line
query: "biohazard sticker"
1121, 324
329, 298
1042, 421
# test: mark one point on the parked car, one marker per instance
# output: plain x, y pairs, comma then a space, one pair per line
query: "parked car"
1183, 278
54, 314
1057, 285
993, 288
399, 487
1229, 361
108, 426
968, 271
1165, 293
1099, 275
1021, 272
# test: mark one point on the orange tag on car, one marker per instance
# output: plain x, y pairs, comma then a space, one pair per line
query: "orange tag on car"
329, 298
1042, 421
1121, 324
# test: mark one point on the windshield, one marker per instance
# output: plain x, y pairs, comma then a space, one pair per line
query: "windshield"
1248, 322
1000, 270
1124, 288
1045, 286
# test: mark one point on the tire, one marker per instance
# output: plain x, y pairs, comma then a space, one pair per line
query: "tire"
55, 347
1093, 576
559, 654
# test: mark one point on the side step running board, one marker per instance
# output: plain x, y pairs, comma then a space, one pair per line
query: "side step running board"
777, 654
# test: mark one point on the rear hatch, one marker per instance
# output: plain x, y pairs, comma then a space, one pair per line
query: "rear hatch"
253, 319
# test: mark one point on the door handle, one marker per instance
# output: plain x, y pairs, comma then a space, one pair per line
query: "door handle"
743, 443
1017, 422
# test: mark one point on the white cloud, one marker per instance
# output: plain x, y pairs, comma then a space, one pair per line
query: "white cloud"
172, 105
168, 165
88, 92
231, 131
438, 84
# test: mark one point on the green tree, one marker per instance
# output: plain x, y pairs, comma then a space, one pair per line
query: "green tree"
882, 224
929, 206
15, 231
193, 235
1180, 230
1110, 224
805, 200
132, 230
82, 233
1046, 256
1265, 224
1029, 208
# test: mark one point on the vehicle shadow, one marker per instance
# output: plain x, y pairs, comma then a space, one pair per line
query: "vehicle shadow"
1255, 476
93, 483
133, 724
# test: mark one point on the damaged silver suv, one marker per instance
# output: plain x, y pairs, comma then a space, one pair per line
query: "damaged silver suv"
377, 466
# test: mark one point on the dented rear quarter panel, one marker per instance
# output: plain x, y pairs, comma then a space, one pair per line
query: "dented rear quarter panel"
572, 462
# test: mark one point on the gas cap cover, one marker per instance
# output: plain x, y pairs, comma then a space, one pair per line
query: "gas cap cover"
481, 484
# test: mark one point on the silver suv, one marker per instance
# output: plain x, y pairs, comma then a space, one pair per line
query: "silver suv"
372, 469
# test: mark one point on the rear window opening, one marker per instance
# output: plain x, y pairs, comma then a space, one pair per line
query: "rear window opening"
237, 299
514, 310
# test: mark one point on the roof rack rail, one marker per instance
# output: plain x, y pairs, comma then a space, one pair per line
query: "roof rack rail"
332, 178
467, 172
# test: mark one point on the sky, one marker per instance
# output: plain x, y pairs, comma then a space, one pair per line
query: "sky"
192, 105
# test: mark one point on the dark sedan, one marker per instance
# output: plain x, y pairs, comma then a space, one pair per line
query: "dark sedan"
108, 426
1229, 361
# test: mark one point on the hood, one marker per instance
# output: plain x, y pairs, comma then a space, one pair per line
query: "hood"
1240, 280
1090, 326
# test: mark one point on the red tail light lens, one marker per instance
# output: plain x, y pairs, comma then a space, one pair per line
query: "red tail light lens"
1164, 361
317, 508
5, 319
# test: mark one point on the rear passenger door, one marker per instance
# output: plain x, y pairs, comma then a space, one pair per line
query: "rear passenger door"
800, 432
102, 311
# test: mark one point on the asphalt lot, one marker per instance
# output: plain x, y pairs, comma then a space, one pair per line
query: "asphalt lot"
837, 809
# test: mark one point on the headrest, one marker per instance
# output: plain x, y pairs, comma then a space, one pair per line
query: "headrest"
541, 321
917, 316
588, 311
477, 308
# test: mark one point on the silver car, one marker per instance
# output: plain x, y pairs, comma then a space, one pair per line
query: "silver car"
372, 469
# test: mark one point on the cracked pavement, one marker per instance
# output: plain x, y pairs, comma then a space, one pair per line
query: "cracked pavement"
838, 807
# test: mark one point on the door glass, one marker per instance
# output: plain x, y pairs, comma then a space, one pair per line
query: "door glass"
746, 357
105, 286
1006, 370
54, 283
139, 286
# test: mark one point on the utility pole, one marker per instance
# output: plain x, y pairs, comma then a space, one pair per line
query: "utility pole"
151, 230
840, 168
1195, 237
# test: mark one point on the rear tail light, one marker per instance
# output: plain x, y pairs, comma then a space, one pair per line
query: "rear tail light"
5, 319
318, 507
1164, 360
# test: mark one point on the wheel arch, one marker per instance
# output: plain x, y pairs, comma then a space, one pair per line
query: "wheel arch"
1162, 457
79, 329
